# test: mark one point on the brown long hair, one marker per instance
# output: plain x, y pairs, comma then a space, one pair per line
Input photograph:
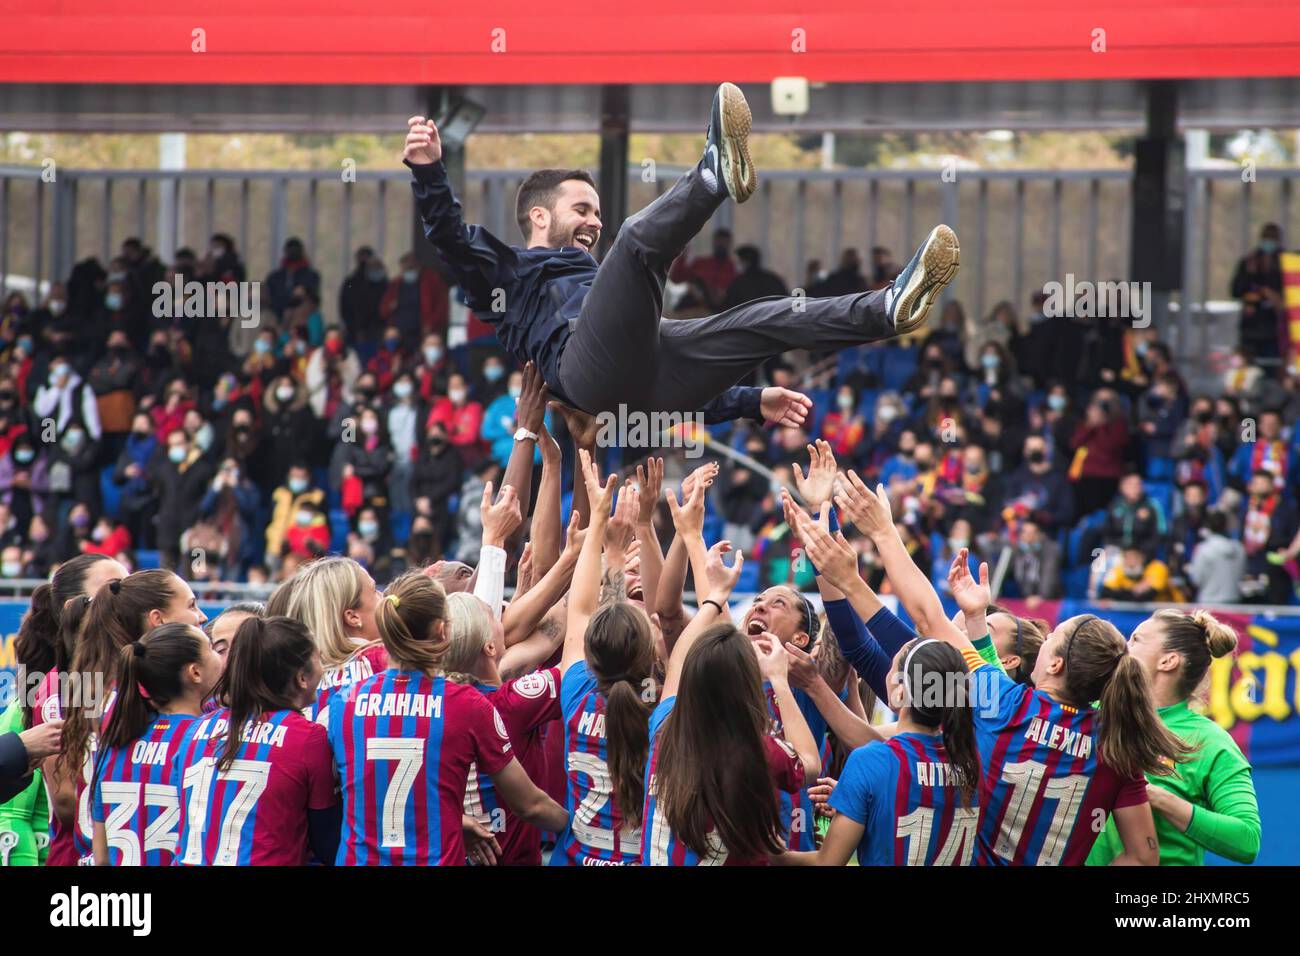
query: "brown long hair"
42, 644
1197, 638
150, 670
414, 623
953, 714
711, 772
116, 616
1030, 634
1131, 738
620, 653
267, 655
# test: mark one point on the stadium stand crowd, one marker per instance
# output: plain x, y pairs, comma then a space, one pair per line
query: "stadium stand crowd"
1068, 452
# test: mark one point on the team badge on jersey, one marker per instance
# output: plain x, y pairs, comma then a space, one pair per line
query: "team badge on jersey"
531, 685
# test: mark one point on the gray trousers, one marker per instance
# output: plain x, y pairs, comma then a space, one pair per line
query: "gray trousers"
622, 350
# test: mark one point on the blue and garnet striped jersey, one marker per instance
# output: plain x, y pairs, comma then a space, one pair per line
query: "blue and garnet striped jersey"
596, 834
366, 662
797, 817
526, 705
137, 795
660, 846
255, 812
1046, 791
903, 793
404, 743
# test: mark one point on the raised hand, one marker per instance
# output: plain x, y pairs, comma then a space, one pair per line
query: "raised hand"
720, 578
832, 555
867, 509
600, 494
706, 473
583, 427
973, 597
773, 661
551, 454
819, 484
621, 530
688, 518
500, 518
574, 535
803, 669
651, 478
422, 143
531, 410
781, 406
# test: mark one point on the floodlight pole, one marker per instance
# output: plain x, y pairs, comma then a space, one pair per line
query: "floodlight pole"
614, 140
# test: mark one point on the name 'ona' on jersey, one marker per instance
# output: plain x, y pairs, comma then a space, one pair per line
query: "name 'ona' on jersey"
137, 796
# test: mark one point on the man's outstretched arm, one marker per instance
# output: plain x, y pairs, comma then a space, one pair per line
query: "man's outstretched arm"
778, 405
479, 261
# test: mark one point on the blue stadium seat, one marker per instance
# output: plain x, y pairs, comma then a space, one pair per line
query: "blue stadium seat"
109, 492
1159, 469
146, 559
400, 523
1163, 493
899, 364
748, 580
339, 528
1076, 582
713, 529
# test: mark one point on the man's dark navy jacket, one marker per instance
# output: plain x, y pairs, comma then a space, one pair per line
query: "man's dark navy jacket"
14, 770
530, 296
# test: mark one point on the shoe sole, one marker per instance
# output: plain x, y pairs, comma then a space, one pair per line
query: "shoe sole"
940, 260
737, 169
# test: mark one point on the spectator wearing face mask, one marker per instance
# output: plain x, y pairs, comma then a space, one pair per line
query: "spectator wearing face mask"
113, 379
406, 415
75, 533
169, 414
24, 477
1038, 490
108, 536
843, 426
416, 303
1036, 564
229, 507
391, 359
180, 478
243, 442
131, 473
461, 418
332, 371
359, 299
1139, 577
1134, 518
65, 397
307, 536
12, 420
263, 361
436, 476
367, 464
1268, 525
499, 424
289, 429
1257, 284
74, 469
295, 270
1218, 563
492, 381
287, 503
1098, 446
432, 370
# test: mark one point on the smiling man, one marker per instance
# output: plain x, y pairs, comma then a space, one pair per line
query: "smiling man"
596, 332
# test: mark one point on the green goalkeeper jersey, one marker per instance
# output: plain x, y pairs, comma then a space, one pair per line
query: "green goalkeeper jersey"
24, 820
1216, 780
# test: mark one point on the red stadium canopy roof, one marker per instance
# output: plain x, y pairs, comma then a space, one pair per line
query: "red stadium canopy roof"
678, 41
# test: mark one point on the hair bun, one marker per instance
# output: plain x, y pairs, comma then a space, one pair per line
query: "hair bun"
1221, 638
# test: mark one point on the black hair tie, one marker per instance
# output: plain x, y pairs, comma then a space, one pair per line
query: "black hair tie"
115, 585
138, 648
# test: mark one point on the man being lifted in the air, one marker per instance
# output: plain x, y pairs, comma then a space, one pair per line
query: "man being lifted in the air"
596, 333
